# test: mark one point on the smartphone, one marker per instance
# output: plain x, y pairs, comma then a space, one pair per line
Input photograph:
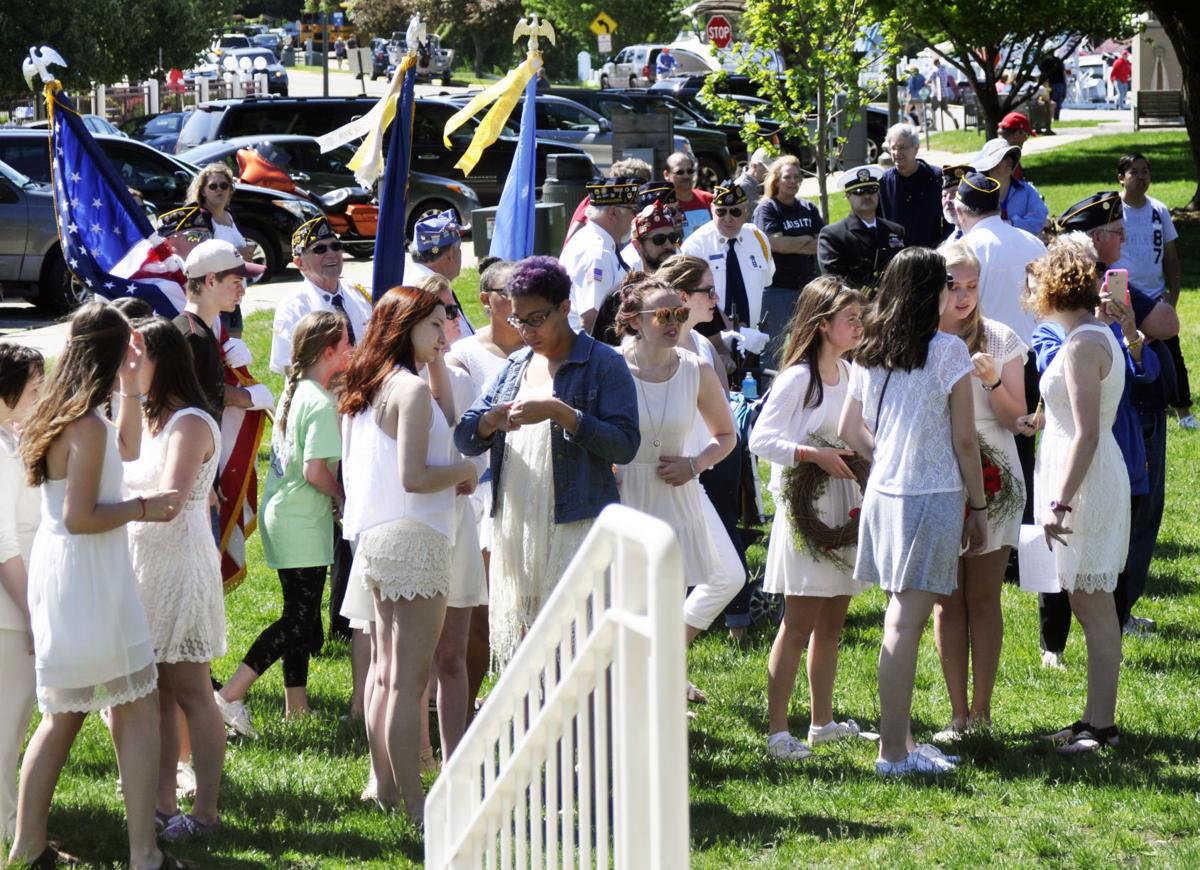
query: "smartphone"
1117, 281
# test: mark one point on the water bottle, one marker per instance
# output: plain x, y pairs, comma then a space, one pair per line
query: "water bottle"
749, 387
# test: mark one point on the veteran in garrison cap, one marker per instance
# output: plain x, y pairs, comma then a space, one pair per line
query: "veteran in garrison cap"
185, 228
858, 248
318, 255
592, 256
738, 255
951, 177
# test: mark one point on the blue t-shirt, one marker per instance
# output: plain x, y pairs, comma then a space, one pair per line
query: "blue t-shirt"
801, 218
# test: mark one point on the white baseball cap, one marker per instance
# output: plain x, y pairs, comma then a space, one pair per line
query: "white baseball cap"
762, 157
216, 255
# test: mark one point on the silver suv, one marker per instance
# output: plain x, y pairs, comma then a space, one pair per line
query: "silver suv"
31, 261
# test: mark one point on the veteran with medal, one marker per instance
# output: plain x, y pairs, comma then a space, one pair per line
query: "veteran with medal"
858, 248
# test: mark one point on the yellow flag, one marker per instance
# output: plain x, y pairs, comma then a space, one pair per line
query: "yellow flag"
503, 95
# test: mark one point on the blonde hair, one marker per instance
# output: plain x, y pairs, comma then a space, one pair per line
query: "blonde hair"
195, 193
959, 253
435, 284
771, 186
1066, 278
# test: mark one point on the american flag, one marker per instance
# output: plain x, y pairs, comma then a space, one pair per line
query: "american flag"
107, 239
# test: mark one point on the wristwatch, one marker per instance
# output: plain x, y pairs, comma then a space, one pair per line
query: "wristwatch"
1057, 506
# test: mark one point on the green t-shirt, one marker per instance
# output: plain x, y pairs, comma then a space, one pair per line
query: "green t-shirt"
296, 518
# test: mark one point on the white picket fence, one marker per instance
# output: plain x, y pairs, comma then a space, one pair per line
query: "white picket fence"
579, 756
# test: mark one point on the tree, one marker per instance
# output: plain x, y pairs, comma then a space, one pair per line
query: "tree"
638, 21
107, 41
1181, 21
820, 41
983, 38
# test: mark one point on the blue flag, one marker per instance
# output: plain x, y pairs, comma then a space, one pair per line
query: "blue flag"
512, 238
393, 195
107, 240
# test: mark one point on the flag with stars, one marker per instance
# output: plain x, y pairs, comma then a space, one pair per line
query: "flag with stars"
107, 239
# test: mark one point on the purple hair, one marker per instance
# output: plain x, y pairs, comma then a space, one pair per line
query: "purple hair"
540, 276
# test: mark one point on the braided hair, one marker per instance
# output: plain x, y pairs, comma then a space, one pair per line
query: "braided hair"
315, 332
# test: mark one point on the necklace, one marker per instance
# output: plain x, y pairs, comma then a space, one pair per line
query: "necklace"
662, 417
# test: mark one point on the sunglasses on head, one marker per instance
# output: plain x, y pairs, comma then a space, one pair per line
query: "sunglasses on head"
325, 246
219, 185
661, 239
736, 211
663, 316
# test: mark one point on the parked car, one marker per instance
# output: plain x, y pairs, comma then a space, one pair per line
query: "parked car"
259, 60
564, 120
31, 261
322, 173
267, 218
231, 40
159, 131
272, 41
94, 123
634, 66
714, 157
315, 116
433, 61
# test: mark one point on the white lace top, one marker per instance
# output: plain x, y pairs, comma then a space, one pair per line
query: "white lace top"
914, 453
1003, 345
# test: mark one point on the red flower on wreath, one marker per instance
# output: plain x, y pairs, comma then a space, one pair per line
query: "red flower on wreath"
992, 482
854, 512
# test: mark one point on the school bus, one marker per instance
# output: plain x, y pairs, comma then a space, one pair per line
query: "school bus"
339, 25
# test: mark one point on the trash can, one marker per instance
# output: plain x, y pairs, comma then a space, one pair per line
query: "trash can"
289, 57
567, 177
549, 228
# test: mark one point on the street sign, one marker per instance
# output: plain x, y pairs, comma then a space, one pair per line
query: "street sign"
603, 23
720, 31
605, 40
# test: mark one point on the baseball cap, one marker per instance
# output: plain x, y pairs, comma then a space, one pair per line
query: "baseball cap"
1017, 121
216, 255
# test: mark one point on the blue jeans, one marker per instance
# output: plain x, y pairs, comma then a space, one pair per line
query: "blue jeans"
1122, 92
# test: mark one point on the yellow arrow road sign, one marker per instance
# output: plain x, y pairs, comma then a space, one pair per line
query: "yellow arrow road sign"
603, 23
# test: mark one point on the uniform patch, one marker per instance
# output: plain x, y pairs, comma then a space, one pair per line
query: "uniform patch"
597, 274
720, 256
753, 261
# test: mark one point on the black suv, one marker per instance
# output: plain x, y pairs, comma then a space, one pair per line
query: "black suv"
267, 218
315, 116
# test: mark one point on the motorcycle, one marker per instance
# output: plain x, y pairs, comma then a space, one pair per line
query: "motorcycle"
351, 211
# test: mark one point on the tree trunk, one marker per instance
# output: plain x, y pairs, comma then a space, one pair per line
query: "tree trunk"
822, 142
1181, 21
477, 40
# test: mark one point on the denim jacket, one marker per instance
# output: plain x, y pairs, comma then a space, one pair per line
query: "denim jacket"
594, 380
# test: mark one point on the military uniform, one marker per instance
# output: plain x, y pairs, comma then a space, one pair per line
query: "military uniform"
856, 252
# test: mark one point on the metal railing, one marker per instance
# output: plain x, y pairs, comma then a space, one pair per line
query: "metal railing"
579, 756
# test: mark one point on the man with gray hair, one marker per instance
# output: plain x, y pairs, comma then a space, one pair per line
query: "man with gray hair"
752, 177
592, 257
910, 193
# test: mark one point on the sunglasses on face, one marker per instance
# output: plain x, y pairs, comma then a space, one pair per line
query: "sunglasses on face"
219, 185
534, 321
325, 246
661, 239
663, 316
707, 291
452, 312
732, 212
869, 190
683, 172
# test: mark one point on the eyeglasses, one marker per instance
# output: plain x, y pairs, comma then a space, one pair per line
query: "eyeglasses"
732, 212
1120, 231
866, 190
325, 246
219, 185
534, 321
691, 171
503, 291
663, 316
661, 239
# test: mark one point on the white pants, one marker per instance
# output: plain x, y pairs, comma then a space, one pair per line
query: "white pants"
710, 598
16, 708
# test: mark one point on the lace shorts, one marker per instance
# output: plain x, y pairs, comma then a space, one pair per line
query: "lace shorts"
404, 559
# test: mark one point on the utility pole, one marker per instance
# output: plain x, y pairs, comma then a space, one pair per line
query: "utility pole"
325, 51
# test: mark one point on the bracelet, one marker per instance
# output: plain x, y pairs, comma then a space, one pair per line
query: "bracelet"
692, 466
992, 387
141, 397
142, 502
976, 509
1137, 342
803, 454
1056, 506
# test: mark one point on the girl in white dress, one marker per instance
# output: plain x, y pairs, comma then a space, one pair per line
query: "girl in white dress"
673, 387
404, 519
967, 623
93, 646
1081, 484
799, 424
178, 572
20, 385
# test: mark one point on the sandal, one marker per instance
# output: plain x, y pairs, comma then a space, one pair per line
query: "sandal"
161, 820
695, 696
1091, 740
185, 826
1064, 735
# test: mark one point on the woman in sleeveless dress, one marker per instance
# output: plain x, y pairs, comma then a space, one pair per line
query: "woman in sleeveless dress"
967, 623
1081, 485
400, 501
673, 388
92, 643
799, 424
178, 572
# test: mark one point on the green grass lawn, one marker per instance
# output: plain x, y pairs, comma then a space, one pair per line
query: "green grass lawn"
969, 141
290, 799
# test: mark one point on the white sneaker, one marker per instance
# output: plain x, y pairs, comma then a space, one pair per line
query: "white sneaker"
1187, 421
788, 748
236, 716
931, 751
914, 762
832, 731
1053, 660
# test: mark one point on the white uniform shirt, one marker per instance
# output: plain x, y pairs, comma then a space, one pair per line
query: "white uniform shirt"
308, 298
754, 257
632, 258
1003, 252
591, 260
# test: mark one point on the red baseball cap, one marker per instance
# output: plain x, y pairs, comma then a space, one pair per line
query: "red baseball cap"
1017, 121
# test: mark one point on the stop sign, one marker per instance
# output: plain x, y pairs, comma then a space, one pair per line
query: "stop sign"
720, 31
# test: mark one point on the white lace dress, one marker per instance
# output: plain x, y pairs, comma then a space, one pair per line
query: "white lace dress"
1004, 346
175, 564
1099, 518
89, 630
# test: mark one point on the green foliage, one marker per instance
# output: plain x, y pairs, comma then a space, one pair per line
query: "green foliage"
106, 41
637, 22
